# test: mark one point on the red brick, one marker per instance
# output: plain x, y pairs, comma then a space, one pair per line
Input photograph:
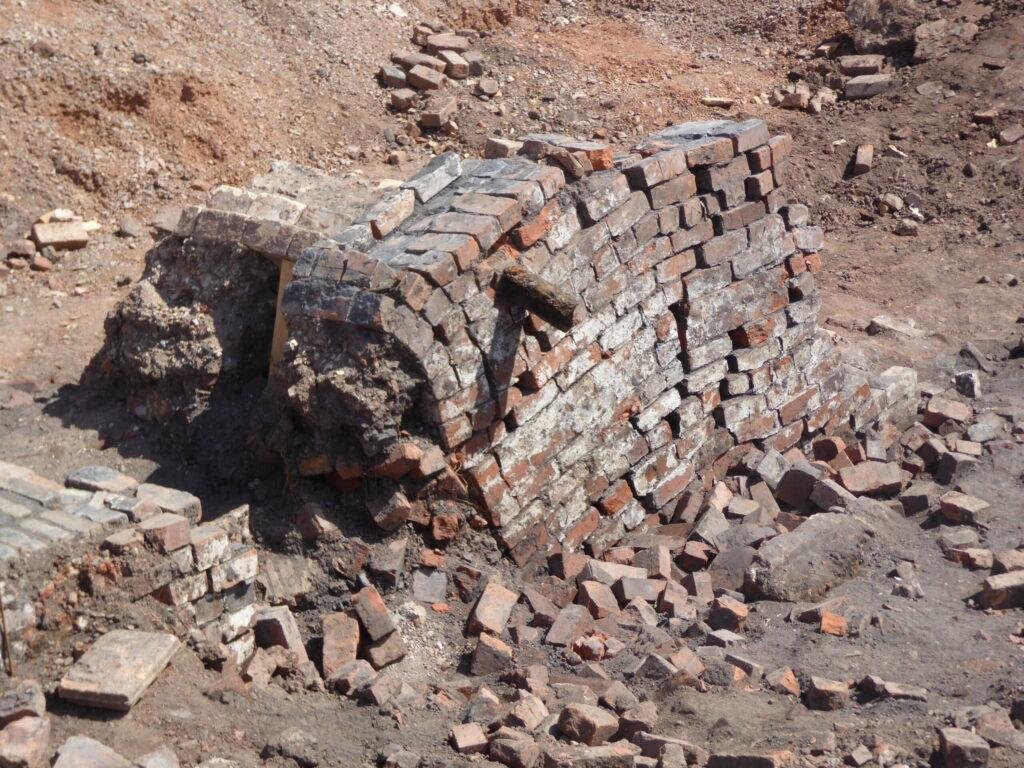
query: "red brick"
587, 724
598, 599
166, 532
871, 477
491, 655
493, 609
374, 615
341, 642
529, 232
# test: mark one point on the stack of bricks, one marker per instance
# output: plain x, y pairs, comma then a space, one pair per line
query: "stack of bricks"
206, 572
421, 80
694, 336
211, 569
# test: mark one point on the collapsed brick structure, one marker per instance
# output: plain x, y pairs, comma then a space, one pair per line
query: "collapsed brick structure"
556, 343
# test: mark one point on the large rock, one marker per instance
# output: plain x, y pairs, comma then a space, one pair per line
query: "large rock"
935, 39
805, 564
879, 26
83, 752
25, 742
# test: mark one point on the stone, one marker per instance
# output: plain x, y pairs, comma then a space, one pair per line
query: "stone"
83, 752
61, 235
25, 742
163, 757
880, 26
867, 86
588, 725
962, 749
803, 565
118, 668
934, 39
24, 699
430, 585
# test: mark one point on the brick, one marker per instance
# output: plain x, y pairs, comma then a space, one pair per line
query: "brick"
373, 614
352, 678
172, 501
491, 655
388, 650
783, 681
1004, 590
832, 624
962, 508
962, 749
97, 478
340, 642
871, 477
118, 668
210, 545
166, 532
587, 724
25, 743
60, 235
240, 564
493, 609
468, 738
598, 599
827, 694
726, 613
572, 622
426, 79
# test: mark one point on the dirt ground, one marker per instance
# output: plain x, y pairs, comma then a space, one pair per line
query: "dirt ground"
114, 109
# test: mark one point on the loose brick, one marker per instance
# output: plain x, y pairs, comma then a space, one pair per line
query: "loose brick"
373, 614
493, 609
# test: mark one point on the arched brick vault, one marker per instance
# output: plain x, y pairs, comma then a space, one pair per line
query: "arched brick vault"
693, 339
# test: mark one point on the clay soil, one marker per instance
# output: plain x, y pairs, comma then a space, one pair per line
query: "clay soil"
114, 108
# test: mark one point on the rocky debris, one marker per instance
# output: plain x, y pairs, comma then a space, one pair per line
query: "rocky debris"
881, 26
118, 668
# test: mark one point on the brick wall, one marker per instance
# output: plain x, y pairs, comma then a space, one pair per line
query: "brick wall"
415, 378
